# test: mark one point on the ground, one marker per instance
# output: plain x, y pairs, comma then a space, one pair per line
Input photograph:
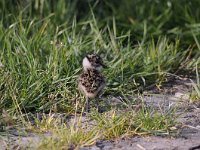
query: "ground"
188, 124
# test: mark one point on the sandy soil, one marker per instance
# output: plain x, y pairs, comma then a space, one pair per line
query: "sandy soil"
174, 95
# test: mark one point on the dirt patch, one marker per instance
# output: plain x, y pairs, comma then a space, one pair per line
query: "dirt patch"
188, 139
146, 143
174, 94
175, 97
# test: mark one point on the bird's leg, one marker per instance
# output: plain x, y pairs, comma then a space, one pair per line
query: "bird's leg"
97, 103
87, 104
98, 98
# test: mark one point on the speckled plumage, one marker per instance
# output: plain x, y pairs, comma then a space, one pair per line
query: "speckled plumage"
91, 82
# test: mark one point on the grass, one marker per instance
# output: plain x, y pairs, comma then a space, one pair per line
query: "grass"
195, 95
66, 138
43, 56
43, 43
109, 125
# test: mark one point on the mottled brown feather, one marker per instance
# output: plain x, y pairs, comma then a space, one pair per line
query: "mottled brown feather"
91, 82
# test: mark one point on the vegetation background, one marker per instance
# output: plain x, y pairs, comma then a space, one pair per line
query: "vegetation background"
42, 43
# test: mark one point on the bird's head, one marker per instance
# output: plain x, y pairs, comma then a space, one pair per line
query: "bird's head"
93, 61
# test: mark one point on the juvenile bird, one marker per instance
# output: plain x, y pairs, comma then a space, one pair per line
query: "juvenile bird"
91, 82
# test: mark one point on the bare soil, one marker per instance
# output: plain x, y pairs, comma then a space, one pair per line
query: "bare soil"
174, 94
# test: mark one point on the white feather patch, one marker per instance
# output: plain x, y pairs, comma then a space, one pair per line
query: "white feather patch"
86, 64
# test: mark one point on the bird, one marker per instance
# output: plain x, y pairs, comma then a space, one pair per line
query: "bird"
91, 82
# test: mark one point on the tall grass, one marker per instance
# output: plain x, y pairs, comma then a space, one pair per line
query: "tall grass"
43, 42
